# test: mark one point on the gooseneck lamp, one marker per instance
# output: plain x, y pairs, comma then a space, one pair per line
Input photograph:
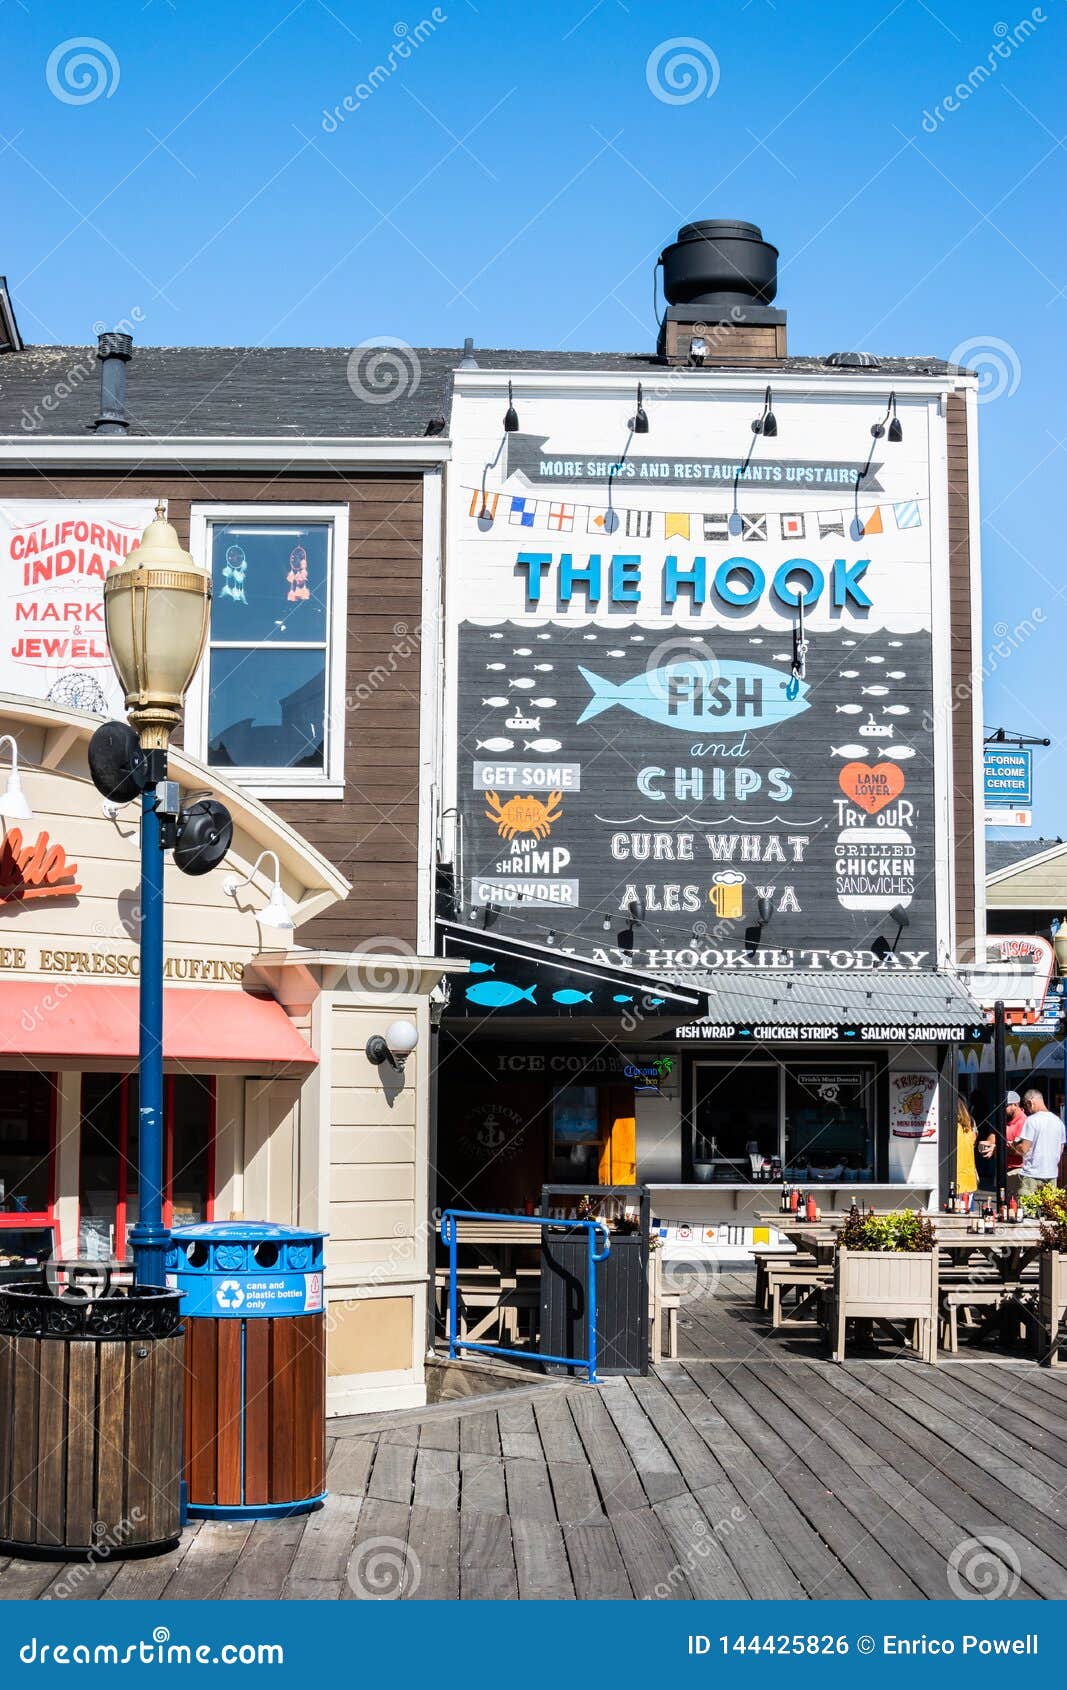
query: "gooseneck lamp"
156, 606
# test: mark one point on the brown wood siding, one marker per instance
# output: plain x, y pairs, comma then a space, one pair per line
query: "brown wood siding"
372, 834
964, 661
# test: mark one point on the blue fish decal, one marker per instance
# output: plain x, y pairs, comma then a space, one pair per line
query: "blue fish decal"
482, 967
568, 995
654, 1003
623, 997
498, 994
697, 696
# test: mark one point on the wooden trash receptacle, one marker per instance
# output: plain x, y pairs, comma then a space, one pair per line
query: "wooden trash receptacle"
255, 1361
91, 1393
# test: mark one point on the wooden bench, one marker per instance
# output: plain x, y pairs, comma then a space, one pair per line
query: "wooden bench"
500, 1298
808, 1282
765, 1254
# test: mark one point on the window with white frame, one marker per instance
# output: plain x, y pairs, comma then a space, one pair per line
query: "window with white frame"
266, 705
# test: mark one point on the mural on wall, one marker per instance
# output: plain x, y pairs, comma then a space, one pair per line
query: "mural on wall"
54, 555
658, 759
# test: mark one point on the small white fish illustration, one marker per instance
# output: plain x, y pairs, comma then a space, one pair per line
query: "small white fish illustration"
848, 750
849, 709
783, 657
899, 752
543, 668
848, 642
496, 744
544, 636
896, 642
849, 674
637, 638
588, 636
523, 683
876, 660
897, 674
874, 692
495, 703
522, 651
616, 653
896, 710
496, 636
544, 703
496, 667
755, 639
543, 745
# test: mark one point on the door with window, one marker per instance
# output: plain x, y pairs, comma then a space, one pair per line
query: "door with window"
109, 1157
27, 1147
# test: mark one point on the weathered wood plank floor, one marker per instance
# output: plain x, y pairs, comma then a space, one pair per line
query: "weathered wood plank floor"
748, 1467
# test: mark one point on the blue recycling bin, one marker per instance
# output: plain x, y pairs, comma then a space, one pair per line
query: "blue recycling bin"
255, 1356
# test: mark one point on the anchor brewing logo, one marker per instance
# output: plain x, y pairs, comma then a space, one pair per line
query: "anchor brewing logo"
494, 1132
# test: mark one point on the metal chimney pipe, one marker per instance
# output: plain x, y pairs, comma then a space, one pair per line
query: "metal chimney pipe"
114, 352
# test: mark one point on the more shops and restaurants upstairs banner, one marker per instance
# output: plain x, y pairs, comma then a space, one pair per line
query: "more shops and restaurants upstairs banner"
54, 556
644, 755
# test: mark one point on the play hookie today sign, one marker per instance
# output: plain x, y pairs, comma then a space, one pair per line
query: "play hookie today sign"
54, 557
635, 749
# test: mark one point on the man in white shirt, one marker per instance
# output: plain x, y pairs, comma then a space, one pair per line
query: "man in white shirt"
1041, 1144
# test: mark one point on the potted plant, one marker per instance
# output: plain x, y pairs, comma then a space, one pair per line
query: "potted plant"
1052, 1294
885, 1268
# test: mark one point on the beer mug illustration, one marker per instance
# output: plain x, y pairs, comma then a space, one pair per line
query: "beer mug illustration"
726, 896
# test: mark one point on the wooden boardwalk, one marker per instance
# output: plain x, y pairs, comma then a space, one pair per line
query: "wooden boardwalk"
749, 1467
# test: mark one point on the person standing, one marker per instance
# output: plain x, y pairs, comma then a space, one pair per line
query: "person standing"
1041, 1144
966, 1135
1015, 1120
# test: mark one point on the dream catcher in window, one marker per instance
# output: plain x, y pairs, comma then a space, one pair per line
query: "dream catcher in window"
298, 576
234, 571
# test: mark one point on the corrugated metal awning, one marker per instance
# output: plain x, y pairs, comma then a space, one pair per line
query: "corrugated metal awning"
870, 1006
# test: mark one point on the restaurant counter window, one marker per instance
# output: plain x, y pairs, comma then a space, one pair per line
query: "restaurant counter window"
829, 1123
265, 699
109, 1157
27, 1138
736, 1117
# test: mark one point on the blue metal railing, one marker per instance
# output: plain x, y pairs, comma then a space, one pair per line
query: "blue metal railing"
591, 1228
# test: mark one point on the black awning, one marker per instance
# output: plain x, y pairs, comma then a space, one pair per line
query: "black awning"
541, 985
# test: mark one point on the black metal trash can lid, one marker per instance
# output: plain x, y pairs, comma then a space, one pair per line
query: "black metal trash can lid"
33, 1310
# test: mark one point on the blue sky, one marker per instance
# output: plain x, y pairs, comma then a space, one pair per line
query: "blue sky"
514, 176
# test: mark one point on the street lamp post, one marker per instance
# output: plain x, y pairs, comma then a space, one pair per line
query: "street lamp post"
156, 606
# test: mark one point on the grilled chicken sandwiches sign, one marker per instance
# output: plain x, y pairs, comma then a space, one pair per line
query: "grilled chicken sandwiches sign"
644, 765
53, 559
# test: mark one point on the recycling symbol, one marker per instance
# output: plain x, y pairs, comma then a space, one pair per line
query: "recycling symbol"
229, 1295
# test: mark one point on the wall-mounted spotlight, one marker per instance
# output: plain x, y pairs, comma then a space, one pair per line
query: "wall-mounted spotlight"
395, 1047
754, 934
766, 423
275, 912
14, 804
639, 421
882, 947
511, 415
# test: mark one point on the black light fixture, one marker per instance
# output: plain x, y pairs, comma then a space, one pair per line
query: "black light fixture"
766, 423
896, 432
511, 415
607, 924
639, 420
754, 934
882, 947
550, 936
394, 1047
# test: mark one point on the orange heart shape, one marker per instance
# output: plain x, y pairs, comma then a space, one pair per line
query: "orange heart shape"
872, 789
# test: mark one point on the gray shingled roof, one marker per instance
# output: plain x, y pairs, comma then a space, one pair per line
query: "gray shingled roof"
794, 996
1003, 853
298, 391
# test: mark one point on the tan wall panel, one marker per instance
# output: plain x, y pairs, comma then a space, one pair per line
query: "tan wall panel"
352, 1069
371, 1183
370, 1335
370, 1144
371, 1105
399, 1254
388, 1222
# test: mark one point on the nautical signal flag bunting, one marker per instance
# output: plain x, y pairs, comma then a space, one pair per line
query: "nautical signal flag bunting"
699, 527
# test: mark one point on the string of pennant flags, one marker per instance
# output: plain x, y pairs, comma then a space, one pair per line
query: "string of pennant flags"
751, 527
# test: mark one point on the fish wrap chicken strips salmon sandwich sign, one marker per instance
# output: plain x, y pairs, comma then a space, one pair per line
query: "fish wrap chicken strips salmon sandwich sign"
640, 747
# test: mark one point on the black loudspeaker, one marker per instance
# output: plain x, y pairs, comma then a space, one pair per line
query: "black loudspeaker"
203, 836
118, 766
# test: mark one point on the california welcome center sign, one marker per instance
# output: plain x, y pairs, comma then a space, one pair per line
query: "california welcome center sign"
54, 556
630, 734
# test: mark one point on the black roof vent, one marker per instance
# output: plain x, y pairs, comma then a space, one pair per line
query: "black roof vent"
852, 361
719, 265
10, 339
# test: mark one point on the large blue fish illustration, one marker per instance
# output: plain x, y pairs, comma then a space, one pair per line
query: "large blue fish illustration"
569, 996
696, 695
498, 994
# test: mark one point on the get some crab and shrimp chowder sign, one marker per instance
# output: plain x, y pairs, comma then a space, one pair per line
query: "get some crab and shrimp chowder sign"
642, 749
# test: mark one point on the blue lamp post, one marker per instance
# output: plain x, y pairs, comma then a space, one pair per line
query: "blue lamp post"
156, 607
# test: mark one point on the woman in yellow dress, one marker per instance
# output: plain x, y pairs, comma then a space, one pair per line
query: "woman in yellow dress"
966, 1134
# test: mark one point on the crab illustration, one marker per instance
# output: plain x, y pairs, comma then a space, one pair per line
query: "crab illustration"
523, 815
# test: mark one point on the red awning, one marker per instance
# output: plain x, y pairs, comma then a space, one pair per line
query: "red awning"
202, 1027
